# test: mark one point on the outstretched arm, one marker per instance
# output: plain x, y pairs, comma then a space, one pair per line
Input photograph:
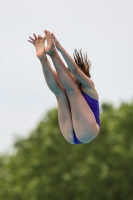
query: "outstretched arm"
85, 80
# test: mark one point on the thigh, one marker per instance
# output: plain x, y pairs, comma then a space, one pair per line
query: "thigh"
64, 117
83, 119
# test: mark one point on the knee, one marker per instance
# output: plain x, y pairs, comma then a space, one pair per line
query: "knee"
88, 138
71, 142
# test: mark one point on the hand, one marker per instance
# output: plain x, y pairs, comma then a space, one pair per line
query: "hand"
33, 40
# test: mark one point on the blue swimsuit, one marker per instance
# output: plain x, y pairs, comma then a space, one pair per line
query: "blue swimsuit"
94, 106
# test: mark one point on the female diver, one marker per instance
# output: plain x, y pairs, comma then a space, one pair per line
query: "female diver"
77, 98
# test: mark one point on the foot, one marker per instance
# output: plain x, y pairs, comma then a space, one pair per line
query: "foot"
50, 48
39, 45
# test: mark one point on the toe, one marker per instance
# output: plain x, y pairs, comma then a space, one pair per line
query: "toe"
47, 32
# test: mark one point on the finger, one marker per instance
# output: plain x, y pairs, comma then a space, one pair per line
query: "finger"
39, 37
53, 35
35, 36
32, 39
31, 42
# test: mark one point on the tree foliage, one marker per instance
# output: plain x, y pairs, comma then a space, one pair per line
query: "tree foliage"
45, 166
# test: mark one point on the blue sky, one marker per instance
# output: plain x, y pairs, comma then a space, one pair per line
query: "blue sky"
103, 28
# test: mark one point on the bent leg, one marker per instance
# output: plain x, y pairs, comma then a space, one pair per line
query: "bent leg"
83, 120
64, 117
84, 123
76, 141
64, 112
50, 77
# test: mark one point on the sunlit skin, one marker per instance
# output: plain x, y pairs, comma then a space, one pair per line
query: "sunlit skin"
73, 110
41, 50
74, 78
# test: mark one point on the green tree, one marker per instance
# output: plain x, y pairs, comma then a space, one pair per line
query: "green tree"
45, 166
